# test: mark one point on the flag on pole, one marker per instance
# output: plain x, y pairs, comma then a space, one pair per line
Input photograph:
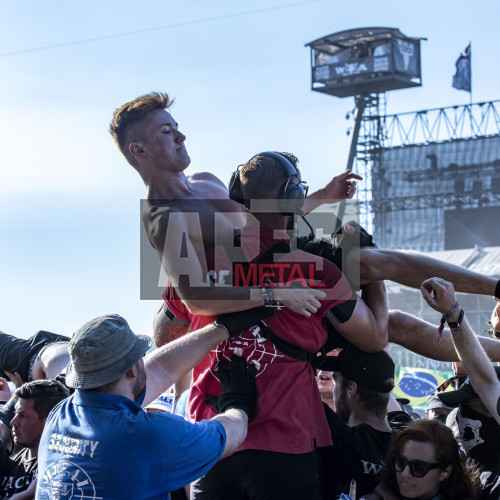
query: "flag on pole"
462, 78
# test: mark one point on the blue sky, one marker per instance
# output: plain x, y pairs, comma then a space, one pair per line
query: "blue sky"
69, 203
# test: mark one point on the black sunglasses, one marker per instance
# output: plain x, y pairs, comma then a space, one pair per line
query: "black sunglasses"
418, 468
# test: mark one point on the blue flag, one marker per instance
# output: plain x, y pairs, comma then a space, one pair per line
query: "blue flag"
462, 78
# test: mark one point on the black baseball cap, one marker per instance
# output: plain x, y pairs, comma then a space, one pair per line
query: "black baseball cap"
374, 370
463, 393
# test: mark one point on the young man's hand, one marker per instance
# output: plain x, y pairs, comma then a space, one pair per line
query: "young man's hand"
299, 298
439, 294
341, 187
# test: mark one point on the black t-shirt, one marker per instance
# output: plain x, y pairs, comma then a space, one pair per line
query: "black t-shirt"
18, 473
16, 353
490, 486
4, 457
357, 453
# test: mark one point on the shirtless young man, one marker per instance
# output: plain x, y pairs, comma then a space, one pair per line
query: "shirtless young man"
181, 214
194, 210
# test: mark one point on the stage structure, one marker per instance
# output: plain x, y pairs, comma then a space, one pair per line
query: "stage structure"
432, 177
365, 63
436, 178
436, 189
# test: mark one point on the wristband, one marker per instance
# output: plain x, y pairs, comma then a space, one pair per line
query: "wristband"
444, 318
497, 290
268, 297
456, 324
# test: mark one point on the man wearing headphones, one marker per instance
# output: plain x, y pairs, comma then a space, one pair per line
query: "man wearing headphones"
278, 457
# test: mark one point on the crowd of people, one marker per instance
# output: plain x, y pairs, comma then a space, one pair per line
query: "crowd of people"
272, 376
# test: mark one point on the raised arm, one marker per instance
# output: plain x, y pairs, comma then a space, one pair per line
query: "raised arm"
341, 187
170, 362
440, 295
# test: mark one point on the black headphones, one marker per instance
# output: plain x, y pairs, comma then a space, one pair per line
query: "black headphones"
291, 195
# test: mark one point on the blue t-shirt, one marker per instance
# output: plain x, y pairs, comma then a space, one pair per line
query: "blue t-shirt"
102, 446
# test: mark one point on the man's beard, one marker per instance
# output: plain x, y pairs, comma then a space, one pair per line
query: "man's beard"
24, 444
341, 408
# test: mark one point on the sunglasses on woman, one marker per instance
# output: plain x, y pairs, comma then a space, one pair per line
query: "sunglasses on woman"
418, 468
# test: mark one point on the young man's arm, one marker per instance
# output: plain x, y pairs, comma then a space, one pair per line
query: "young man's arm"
440, 295
167, 326
187, 275
410, 268
367, 326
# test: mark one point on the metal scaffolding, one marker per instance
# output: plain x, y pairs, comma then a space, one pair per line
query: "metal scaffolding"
370, 139
441, 124
380, 133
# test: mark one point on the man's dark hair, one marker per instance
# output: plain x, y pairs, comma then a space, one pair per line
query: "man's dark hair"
45, 394
124, 125
371, 400
262, 171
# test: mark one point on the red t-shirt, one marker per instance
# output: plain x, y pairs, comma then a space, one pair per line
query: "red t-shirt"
290, 416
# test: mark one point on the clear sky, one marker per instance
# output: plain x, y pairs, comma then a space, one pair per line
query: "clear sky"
69, 203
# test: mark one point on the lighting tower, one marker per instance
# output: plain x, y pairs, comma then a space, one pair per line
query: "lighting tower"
365, 63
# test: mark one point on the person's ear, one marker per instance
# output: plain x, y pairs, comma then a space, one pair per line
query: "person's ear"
445, 474
131, 372
137, 149
352, 389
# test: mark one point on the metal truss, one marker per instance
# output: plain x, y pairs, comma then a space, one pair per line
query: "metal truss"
428, 126
435, 200
370, 140
380, 131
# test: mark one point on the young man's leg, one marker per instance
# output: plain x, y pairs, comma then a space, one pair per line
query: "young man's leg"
260, 475
412, 268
